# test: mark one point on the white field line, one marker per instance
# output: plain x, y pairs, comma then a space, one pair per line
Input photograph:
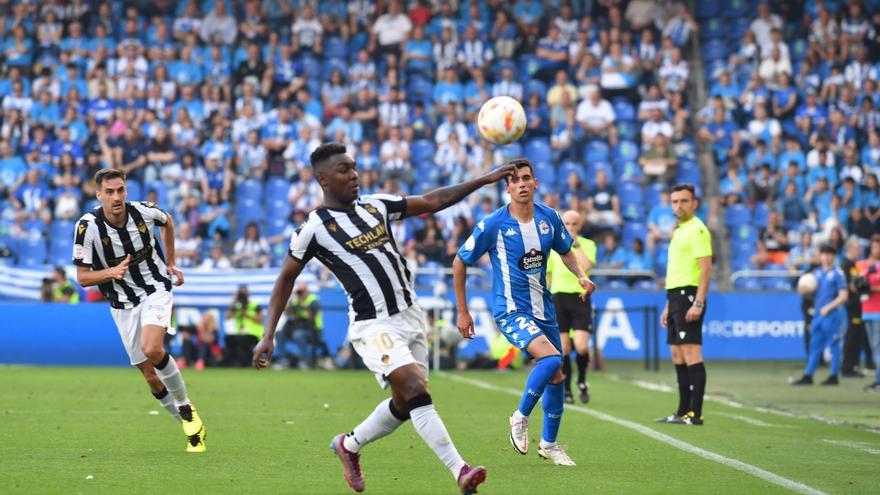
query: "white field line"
752, 421
863, 446
662, 437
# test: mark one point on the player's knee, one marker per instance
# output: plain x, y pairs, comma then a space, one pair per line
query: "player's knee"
154, 352
553, 362
420, 400
558, 377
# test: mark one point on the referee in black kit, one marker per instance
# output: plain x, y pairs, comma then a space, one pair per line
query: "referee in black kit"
688, 270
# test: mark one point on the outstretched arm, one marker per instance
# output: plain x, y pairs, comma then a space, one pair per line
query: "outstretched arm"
277, 303
444, 197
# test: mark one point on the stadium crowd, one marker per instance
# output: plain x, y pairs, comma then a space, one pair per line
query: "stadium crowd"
213, 107
793, 124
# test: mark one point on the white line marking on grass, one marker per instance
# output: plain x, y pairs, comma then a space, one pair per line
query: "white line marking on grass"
863, 446
662, 437
752, 421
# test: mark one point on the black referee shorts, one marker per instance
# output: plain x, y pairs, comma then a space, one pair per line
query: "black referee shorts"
681, 331
573, 313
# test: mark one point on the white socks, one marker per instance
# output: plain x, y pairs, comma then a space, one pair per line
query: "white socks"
430, 427
173, 380
167, 402
518, 415
381, 422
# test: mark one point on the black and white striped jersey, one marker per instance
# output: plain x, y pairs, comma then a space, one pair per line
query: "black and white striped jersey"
357, 246
99, 245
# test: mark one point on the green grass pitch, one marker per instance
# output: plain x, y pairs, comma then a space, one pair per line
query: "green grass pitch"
268, 432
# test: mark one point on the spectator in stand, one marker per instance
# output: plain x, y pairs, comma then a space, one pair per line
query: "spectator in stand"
603, 205
305, 193
186, 247
307, 32
618, 74
12, 170
395, 157
564, 136
734, 185
251, 250
794, 209
561, 87
474, 55
214, 217
597, 117
762, 184
659, 160
429, 242
217, 261
772, 244
764, 24
661, 222
390, 30
552, 52
680, 27
803, 255
764, 127
654, 127
724, 136
610, 254
33, 197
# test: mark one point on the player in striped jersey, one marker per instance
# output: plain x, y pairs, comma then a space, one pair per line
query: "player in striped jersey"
518, 238
351, 236
114, 248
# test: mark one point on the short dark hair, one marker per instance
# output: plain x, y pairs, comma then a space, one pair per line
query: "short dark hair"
875, 239
521, 162
827, 248
107, 174
323, 152
683, 186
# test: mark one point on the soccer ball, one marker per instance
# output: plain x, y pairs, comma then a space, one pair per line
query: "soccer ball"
807, 284
502, 120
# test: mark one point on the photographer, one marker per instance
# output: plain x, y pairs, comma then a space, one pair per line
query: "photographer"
870, 269
304, 326
247, 328
63, 290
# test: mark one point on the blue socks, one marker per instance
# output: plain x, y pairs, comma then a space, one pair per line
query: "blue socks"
552, 403
538, 380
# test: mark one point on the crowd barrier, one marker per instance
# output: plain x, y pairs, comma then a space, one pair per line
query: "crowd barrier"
738, 326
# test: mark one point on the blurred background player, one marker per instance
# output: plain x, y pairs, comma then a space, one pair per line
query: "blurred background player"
688, 272
350, 235
829, 321
518, 238
114, 248
573, 313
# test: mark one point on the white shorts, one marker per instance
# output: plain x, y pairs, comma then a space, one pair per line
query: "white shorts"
388, 343
154, 310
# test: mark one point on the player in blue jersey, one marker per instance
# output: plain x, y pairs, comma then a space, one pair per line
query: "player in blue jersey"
829, 322
518, 238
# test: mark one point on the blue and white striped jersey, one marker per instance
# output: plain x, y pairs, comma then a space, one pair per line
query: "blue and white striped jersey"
519, 254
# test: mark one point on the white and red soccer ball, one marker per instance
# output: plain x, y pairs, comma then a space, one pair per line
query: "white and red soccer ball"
502, 120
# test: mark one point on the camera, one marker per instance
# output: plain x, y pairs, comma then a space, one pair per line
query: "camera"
863, 288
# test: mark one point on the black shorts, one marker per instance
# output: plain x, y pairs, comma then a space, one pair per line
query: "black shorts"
573, 313
680, 330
